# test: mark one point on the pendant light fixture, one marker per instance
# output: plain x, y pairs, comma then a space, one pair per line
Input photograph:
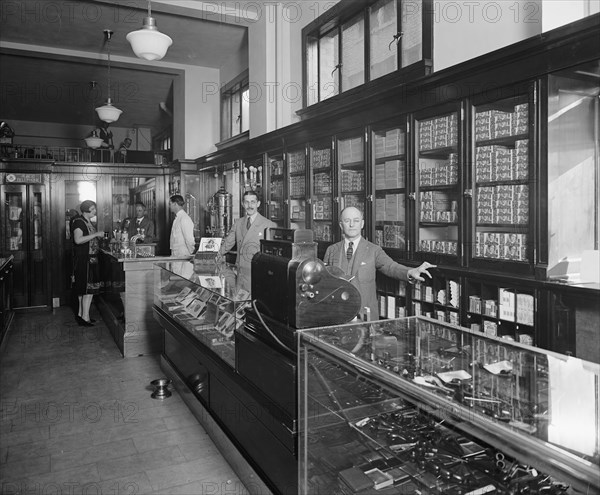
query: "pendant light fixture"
108, 113
149, 43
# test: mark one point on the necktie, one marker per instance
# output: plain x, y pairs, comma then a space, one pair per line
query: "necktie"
248, 223
350, 250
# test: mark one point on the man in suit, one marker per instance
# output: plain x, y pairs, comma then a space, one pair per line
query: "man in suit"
359, 259
141, 221
246, 233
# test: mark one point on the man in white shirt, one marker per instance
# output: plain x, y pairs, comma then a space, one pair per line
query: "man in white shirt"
182, 232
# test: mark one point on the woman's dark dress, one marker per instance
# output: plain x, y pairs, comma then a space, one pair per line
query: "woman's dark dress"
85, 260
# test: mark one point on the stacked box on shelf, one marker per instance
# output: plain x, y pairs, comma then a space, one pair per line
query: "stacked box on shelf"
440, 132
296, 162
501, 245
379, 237
321, 158
437, 246
322, 210
520, 119
502, 123
394, 207
379, 146
525, 309
297, 186
322, 232
394, 174
490, 328
322, 183
354, 200
437, 206
503, 204
439, 172
394, 142
475, 304
483, 125
393, 236
353, 180
521, 159
350, 150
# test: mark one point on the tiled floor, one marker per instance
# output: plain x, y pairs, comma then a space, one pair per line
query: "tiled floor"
77, 418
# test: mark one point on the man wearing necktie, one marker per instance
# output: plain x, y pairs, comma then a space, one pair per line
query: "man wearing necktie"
246, 233
360, 259
141, 221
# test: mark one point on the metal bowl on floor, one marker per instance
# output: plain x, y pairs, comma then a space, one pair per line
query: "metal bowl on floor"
162, 391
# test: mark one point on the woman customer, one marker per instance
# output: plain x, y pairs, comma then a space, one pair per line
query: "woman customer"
86, 279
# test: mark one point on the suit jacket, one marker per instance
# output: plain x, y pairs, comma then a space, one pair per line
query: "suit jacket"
248, 244
367, 259
146, 224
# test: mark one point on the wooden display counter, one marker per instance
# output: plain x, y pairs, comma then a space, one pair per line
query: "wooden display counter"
126, 303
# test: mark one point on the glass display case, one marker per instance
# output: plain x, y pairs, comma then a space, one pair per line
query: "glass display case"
205, 300
414, 405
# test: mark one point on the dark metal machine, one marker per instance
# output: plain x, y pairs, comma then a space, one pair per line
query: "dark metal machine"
300, 290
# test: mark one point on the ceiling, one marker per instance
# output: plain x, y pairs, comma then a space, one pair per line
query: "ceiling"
50, 52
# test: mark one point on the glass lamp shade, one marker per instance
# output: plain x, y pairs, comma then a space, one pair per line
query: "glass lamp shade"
93, 142
149, 43
108, 113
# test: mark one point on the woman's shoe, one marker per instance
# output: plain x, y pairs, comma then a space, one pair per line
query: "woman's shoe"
83, 323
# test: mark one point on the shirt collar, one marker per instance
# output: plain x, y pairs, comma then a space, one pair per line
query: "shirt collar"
253, 217
354, 245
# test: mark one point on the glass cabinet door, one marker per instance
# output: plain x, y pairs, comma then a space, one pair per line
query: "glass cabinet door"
438, 186
321, 177
383, 29
297, 187
351, 169
501, 194
389, 168
276, 190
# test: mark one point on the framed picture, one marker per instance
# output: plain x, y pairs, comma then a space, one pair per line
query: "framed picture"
210, 244
210, 282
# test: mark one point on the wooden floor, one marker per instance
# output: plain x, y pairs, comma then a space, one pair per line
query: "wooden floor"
77, 418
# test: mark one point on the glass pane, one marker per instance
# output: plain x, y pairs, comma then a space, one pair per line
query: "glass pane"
226, 117
245, 110
312, 70
389, 152
322, 193
502, 180
192, 203
383, 26
352, 172
236, 113
297, 170
14, 221
38, 220
328, 65
412, 33
353, 53
276, 190
438, 196
573, 164
127, 191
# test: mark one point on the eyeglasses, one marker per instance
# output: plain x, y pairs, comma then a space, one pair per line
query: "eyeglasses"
250, 203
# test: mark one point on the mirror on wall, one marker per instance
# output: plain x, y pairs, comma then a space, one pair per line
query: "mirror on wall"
134, 206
